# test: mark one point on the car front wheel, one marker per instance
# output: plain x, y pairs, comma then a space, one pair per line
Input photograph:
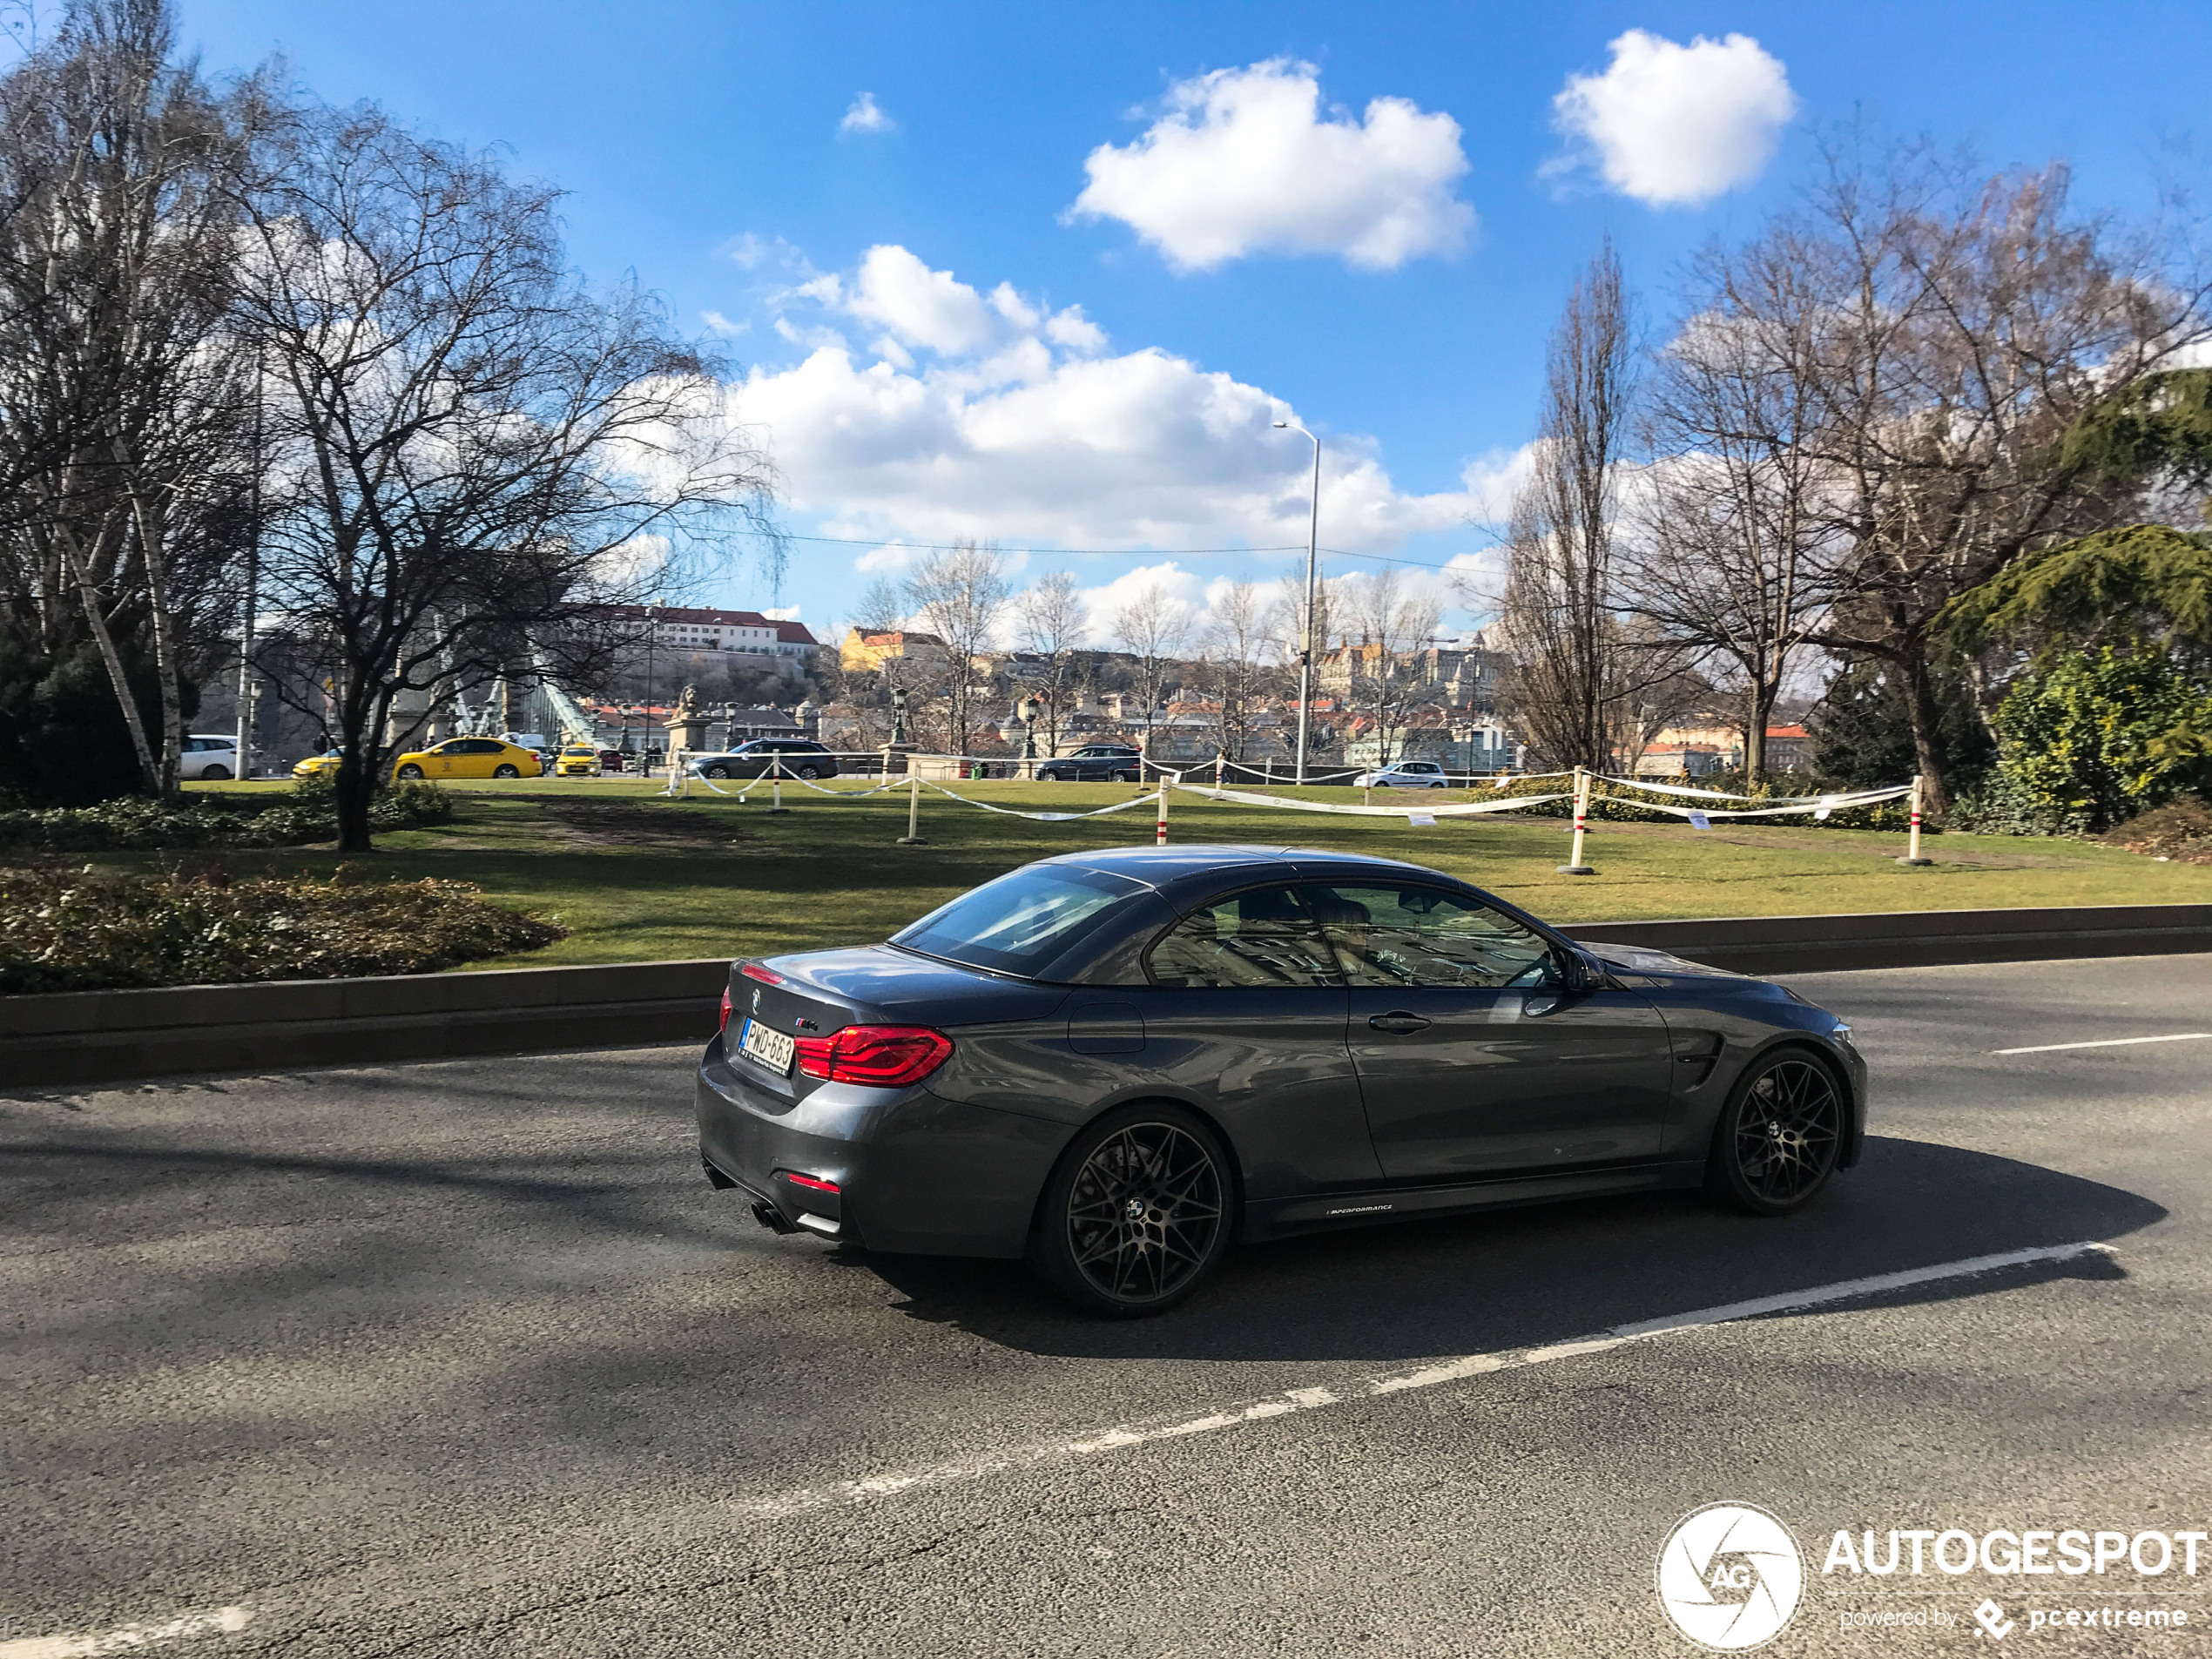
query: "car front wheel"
410, 773
1139, 1211
716, 772
1776, 1145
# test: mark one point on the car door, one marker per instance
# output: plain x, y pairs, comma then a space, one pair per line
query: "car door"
1245, 1011
1472, 1059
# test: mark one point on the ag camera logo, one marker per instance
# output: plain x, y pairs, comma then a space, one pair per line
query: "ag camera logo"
1730, 1576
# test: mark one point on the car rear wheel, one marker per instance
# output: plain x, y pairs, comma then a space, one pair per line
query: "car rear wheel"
1776, 1145
215, 774
810, 773
1137, 1213
1126, 777
506, 771
410, 773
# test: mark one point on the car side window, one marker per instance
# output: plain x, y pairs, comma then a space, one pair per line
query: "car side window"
1260, 938
1409, 935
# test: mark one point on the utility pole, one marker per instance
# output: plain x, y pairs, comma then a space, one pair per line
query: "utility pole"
252, 589
1306, 630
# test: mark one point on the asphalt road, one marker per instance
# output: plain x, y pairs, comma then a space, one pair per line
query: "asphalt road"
464, 1357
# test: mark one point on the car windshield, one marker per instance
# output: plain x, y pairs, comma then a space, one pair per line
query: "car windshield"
1019, 923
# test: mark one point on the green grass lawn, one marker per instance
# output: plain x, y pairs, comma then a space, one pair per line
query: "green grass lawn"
641, 879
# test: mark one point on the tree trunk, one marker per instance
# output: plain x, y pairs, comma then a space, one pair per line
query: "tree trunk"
1928, 730
1762, 710
164, 635
96, 621
353, 792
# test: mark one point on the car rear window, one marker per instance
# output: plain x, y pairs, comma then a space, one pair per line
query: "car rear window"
1020, 922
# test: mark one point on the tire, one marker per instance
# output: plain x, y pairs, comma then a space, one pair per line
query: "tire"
506, 771
1778, 1137
1128, 777
215, 775
716, 772
808, 773
1136, 1215
410, 775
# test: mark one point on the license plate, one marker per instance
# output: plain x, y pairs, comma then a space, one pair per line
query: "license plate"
771, 1048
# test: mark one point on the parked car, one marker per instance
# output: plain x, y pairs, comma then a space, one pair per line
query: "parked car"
1116, 1063
208, 757
610, 760
578, 760
1094, 762
800, 758
469, 758
323, 765
1405, 774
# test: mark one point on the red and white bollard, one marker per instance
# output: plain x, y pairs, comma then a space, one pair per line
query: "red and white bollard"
1160, 829
1912, 837
1574, 865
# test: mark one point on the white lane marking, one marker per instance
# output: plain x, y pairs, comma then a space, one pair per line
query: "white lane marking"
2108, 1042
1427, 1376
213, 1622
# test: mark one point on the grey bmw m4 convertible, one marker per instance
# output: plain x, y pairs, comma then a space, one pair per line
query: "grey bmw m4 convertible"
1117, 1063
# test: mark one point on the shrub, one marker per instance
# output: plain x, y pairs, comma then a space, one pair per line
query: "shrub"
89, 930
2099, 737
134, 823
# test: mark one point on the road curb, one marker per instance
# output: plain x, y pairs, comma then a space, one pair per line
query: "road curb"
105, 1036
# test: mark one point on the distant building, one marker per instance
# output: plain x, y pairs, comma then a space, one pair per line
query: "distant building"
1679, 760
864, 650
1789, 748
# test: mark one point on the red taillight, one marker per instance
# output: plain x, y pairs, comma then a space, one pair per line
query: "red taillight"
812, 1183
766, 975
725, 1011
884, 1056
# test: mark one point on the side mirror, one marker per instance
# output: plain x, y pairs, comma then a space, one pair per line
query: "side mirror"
1580, 970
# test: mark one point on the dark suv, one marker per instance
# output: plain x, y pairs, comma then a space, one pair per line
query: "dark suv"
1094, 762
801, 757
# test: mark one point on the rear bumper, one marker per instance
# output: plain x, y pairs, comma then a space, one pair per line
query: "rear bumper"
915, 1173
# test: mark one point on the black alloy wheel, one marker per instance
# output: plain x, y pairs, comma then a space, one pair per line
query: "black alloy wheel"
1776, 1145
410, 773
1136, 1215
506, 771
716, 772
809, 773
1127, 778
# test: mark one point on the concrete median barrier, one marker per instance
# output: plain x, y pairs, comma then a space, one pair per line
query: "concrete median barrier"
105, 1036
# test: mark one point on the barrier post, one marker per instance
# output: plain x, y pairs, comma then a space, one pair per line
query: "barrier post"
1912, 836
1575, 866
913, 836
1160, 830
775, 792
1220, 762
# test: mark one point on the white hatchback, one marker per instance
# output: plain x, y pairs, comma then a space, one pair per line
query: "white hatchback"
208, 757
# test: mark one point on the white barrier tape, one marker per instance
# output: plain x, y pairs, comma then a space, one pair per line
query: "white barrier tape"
1850, 798
1150, 797
1820, 808
1244, 798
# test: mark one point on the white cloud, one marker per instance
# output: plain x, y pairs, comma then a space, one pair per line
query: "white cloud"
1244, 162
1180, 587
865, 116
1677, 126
1042, 438
782, 613
892, 558
719, 325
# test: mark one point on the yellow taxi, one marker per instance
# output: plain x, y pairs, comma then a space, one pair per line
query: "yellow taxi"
577, 761
468, 758
321, 765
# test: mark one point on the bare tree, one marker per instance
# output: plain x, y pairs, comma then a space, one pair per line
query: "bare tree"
121, 393
1394, 620
1151, 627
1959, 324
960, 595
1577, 677
1235, 652
1053, 622
1731, 550
479, 451
883, 607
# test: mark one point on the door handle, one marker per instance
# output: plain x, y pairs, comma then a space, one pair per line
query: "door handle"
1399, 1021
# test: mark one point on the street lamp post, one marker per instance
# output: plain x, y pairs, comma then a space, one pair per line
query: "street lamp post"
653, 634
1305, 632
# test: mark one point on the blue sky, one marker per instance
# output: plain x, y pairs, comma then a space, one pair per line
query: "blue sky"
1384, 272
